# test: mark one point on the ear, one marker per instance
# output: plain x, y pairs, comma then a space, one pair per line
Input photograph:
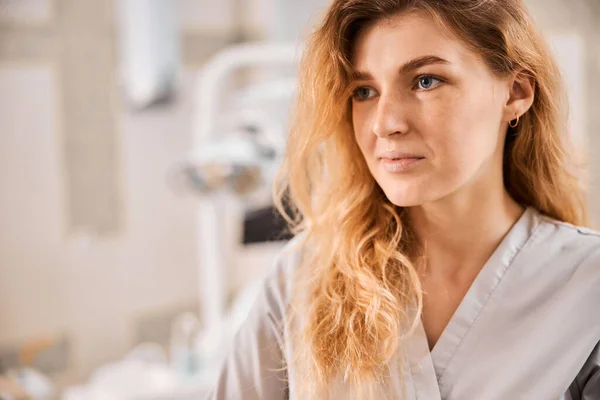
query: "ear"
521, 95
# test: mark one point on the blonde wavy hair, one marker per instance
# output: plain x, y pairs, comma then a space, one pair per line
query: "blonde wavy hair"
357, 279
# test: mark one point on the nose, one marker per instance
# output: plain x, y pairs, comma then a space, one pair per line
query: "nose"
390, 117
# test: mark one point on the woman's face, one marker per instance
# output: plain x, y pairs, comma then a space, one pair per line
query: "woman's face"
428, 114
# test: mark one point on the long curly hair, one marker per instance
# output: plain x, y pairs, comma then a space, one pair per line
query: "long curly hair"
358, 290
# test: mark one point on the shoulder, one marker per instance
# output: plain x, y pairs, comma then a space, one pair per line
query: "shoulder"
565, 254
554, 235
564, 227
278, 283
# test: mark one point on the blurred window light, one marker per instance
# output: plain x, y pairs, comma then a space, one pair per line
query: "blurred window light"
148, 50
570, 54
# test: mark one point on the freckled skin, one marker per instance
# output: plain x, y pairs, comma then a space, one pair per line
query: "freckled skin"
457, 122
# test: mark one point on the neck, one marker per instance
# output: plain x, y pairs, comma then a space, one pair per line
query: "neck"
459, 233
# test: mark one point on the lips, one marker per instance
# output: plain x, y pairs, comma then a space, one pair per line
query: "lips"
398, 155
397, 162
402, 158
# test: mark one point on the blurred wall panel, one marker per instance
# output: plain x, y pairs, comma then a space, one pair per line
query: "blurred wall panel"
91, 142
207, 16
292, 18
31, 203
26, 11
570, 55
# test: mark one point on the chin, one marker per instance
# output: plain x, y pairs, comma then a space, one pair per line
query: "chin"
414, 192
405, 197
405, 202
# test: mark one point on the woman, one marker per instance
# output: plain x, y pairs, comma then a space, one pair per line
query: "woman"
439, 254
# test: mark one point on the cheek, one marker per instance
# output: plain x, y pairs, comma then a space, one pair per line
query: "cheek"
362, 132
470, 137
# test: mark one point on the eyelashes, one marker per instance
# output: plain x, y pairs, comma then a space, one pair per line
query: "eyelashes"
363, 93
430, 79
423, 83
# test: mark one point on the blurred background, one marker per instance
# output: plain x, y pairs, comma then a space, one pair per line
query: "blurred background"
138, 142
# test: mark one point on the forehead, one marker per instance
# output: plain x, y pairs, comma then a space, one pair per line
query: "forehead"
403, 37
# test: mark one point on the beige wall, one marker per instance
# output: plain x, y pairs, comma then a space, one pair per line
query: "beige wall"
581, 18
56, 279
91, 288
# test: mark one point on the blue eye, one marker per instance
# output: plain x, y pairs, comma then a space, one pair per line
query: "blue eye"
427, 82
364, 93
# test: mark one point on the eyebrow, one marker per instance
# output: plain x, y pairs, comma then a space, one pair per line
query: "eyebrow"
405, 68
